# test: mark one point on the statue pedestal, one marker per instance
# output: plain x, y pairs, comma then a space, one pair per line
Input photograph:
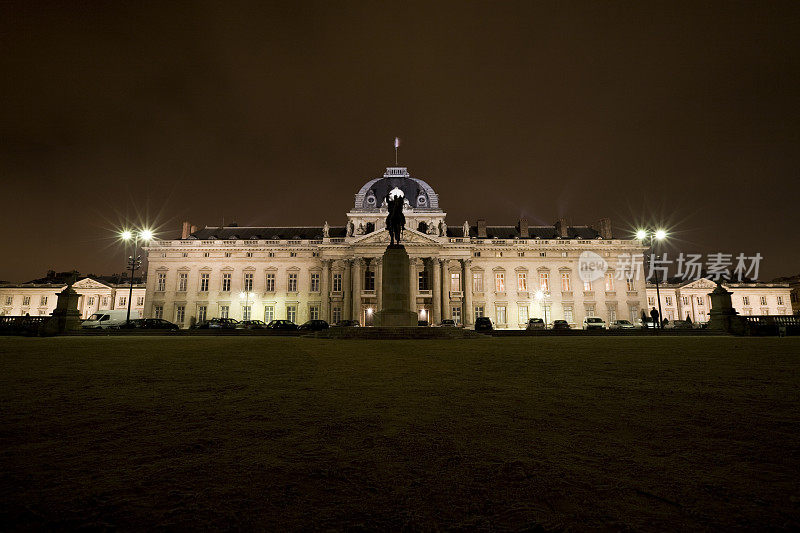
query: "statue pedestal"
395, 286
66, 315
723, 316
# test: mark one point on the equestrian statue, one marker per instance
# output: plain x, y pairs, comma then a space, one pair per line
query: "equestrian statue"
395, 220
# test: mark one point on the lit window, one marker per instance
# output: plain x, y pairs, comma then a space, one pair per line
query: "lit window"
43, 300
269, 313
700, 301
291, 313
248, 281
224, 311
456, 312
780, 300
10, 300
478, 311
500, 282
455, 281
26, 300
565, 284
313, 312
668, 300
140, 300
522, 281
292, 284
523, 314
315, 282
203, 282
763, 300
270, 286
180, 314
246, 312
544, 281
568, 314
123, 300
587, 285
226, 282
590, 311
336, 314
745, 300
183, 279
337, 283
609, 281
477, 282
158, 311
631, 285
201, 313
161, 282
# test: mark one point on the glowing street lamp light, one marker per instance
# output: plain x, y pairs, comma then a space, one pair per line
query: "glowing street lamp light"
540, 296
246, 295
657, 235
134, 261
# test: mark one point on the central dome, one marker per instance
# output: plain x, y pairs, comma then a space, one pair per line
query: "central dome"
419, 195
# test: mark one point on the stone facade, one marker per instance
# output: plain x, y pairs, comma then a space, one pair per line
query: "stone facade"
39, 299
692, 298
335, 272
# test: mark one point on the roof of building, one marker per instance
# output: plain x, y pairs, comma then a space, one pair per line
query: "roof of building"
534, 232
254, 233
418, 193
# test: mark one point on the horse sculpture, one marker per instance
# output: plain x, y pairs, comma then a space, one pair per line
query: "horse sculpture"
395, 220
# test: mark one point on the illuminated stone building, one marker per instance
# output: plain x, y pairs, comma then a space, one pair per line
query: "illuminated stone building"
509, 273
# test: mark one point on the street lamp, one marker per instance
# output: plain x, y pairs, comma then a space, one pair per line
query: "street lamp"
246, 295
540, 297
134, 261
655, 236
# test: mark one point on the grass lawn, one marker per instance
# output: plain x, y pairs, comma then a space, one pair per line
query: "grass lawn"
496, 433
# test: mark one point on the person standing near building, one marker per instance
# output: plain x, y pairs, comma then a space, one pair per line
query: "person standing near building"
654, 316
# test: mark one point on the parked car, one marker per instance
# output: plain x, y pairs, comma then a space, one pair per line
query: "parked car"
348, 324
282, 325
135, 323
535, 323
483, 323
621, 324
423, 323
593, 322
313, 325
561, 324
447, 323
679, 324
219, 323
159, 323
112, 319
253, 324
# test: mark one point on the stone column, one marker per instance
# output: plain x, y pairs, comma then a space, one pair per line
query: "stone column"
466, 283
413, 283
358, 270
346, 290
446, 311
437, 290
378, 262
325, 292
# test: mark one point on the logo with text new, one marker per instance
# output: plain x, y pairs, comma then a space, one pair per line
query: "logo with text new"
591, 266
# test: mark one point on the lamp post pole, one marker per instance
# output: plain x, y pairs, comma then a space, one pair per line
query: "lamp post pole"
134, 262
657, 235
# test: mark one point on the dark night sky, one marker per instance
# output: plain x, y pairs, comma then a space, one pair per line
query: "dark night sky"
682, 114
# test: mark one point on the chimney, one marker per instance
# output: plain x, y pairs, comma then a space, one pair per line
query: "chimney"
605, 228
562, 229
186, 230
481, 228
523, 228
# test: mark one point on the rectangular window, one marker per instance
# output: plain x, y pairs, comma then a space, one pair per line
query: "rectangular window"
201, 313
587, 285
183, 280
651, 301
609, 281
685, 300
568, 314
43, 300
313, 312
140, 300
270, 283
42, 312
105, 302
123, 300
631, 285
269, 313
10, 300
590, 311
180, 314
523, 314
522, 281
89, 300
26, 300
700, 301
544, 281
565, 284
500, 282
248, 282
612, 314
422, 281
456, 312
336, 314
479, 311
161, 282
158, 311
477, 282
203, 282
501, 314
745, 300
455, 282
369, 280
668, 300
226, 282
292, 287
780, 300
246, 309
291, 313
315, 282
763, 300
337, 283
224, 311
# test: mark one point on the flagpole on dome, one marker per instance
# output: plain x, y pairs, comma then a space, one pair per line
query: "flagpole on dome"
396, 146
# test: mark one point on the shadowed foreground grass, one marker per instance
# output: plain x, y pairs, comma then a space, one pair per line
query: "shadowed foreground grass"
516, 433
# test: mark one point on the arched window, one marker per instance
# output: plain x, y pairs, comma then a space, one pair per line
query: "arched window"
422, 227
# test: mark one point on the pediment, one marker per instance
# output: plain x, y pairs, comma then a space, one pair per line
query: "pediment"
410, 237
89, 283
701, 283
